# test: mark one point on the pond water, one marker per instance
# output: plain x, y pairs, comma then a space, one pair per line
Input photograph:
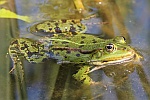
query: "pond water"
49, 80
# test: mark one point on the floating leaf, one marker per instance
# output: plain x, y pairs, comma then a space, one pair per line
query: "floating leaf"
2, 2
8, 14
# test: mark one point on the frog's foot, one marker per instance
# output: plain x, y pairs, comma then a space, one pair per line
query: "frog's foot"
82, 75
96, 83
16, 63
12, 69
17, 67
19, 63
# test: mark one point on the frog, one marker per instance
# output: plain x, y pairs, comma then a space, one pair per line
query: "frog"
60, 26
89, 51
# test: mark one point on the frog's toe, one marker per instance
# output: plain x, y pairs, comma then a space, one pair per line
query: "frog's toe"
12, 70
96, 83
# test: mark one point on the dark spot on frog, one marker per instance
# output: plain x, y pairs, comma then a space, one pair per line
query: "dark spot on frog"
94, 41
14, 52
65, 56
30, 54
78, 55
124, 48
79, 26
81, 46
26, 46
80, 29
64, 20
35, 45
22, 48
83, 37
64, 42
56, 42
66, 46
48, 24
68, 51
50, 29
57, 30
81, 42
72, 29
22, 42
104, 61
41, 30
34, 53
56, 24
73, 21
31, 60
15, 42
81, 61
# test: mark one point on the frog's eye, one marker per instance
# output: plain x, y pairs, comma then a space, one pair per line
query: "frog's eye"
109, 47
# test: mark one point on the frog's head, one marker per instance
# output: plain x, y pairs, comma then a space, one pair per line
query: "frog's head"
115, 51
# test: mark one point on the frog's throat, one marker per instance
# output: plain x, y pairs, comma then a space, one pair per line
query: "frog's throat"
120, 60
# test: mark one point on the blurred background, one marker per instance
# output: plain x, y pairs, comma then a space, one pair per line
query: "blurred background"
50, 81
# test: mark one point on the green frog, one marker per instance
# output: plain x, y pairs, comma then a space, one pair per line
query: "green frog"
66, 26
88, 50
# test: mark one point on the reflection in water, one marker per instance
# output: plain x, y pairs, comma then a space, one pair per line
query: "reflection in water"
120, 75
144, 82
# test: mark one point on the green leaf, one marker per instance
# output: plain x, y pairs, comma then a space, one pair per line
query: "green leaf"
9, 14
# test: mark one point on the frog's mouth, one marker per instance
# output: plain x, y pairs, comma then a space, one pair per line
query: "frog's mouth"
121, 60
115, 61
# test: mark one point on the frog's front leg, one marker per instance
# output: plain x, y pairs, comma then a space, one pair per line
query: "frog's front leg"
82, 75
32, 51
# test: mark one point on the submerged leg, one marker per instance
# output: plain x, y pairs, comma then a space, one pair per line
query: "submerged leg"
82, 75
15, 54
16, 62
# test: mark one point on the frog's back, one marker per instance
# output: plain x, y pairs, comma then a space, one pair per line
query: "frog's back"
76, 49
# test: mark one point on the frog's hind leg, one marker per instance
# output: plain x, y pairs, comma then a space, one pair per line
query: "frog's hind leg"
15, 54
